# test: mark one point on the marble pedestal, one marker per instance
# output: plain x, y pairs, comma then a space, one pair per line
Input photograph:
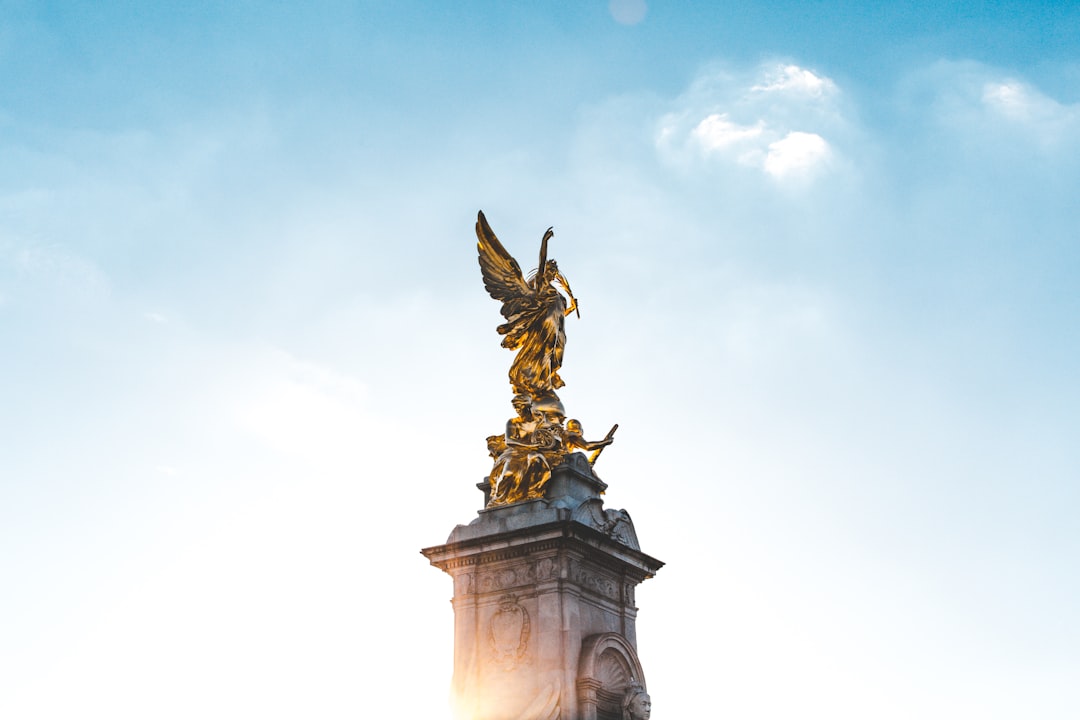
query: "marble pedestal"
544, 614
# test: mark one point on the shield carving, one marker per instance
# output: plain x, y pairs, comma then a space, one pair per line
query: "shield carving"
508, 633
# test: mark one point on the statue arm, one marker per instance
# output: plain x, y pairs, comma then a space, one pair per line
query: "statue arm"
561, 279
595, 444
578, 441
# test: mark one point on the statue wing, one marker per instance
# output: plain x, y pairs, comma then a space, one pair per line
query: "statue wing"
504, 282
502, 274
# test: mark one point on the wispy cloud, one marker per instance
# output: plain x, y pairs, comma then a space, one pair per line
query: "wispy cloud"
993, 111
794, 79
717, 132
60, 268
1040, 116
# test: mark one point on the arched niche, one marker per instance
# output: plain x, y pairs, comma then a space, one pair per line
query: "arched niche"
607, 666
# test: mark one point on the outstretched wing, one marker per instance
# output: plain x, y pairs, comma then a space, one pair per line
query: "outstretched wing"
502, 274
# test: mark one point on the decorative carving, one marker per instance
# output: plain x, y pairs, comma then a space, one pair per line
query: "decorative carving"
547, 569
596, 582
517, 576
508, 634
465, 584
608, 670
637, 704
612, 670
616, 524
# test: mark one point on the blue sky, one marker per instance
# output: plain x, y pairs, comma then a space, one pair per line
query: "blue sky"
826, 257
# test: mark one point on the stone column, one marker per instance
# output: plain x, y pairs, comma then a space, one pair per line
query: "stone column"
545, 621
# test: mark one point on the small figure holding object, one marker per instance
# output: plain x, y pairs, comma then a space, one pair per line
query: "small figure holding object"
575, 439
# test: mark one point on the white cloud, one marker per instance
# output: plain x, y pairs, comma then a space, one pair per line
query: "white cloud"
991, 112
716, 132
1010, 98
1020, 103
796, 151
775, 119
793, 78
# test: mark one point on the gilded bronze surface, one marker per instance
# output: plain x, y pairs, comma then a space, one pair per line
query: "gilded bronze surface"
536, 440
534, 311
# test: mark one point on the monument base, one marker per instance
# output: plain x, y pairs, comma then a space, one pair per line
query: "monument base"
544, 614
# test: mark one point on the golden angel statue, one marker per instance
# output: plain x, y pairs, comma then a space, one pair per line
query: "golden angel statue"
534, 312
537, 440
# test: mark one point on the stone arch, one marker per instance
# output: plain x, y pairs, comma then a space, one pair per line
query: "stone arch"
607, 666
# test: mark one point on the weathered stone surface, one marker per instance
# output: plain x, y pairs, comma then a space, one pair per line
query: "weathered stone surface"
545, 621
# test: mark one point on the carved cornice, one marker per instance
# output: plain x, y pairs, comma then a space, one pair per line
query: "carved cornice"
568, 535
491, 556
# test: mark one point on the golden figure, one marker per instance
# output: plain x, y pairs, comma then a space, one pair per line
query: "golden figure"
534, 312
523, 468
536, 440
573, 438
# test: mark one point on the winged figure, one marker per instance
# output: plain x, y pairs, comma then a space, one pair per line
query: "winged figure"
534, 312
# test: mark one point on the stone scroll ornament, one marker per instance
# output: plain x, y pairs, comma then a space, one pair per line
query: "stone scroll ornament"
535, 310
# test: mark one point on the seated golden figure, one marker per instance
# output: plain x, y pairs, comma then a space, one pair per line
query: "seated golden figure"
523, 467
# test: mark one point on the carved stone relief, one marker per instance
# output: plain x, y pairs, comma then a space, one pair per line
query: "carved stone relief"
608, 670
508, 634
613, 670
506, 578
465, 584
596, 582
547, 569
616, 524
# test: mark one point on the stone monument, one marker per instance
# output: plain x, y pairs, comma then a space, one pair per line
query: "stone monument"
544, 577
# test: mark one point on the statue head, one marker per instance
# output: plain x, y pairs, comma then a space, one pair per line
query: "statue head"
574, 426
546, 274
523, 405
637, 705
550, 407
